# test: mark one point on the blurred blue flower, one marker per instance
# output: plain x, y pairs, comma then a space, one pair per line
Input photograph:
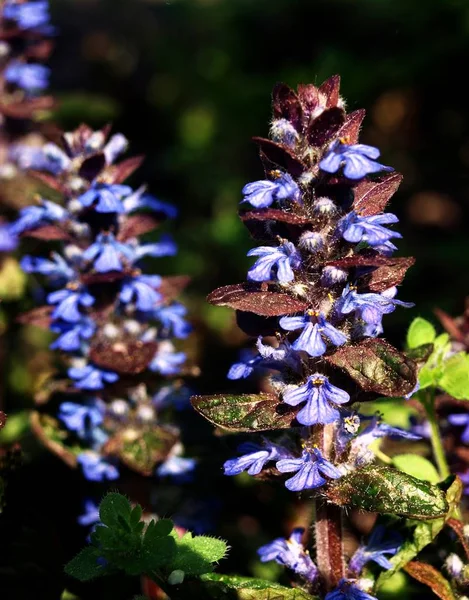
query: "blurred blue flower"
72, 335
31, 217
69, 303
177, 467
105, 197
107, 253
291, 554
56, 268
96, 468
91, 514
347, 590
28, 15
308, 470
141, 290
8, 240
172, 322
461, 420
381, 543
166, 360
29, 77
91, 377
254, 458
81, 417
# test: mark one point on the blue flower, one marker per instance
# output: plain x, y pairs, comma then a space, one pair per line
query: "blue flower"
165, 247
320, 397
291, 554
166, 360
72, 335
355, 228
262, 194
347, 590
29, 77
116, 145
141, 290
285, 258
96, 468
91, 377
91, 514
369, 307
315, 329
56, 268
358, 160
172, 321
107, 253
35, 216
105, 197
245, 367
461, 420
308, 470
8, 241
376, 549
254, 458
178, 467
69, 303
139, 200
284, 355
29, 15
81, 417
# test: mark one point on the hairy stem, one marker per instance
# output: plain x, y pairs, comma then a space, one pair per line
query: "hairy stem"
437, 443
328, 524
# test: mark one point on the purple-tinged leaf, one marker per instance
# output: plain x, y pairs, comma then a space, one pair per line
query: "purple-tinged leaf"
246, 412
324, 128
330, 89
376, 366
388, 272
429, 576
47, 233
450, 324
281, 156
128, 358
286, 105
308, 95
93, 278
371, 197
274, 214
267, 224
39, 317
256, 298
137, 225
48, 180
119, 173
172, 286
351, 128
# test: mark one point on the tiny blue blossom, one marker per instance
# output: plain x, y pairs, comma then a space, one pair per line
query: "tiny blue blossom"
81, 417
245, 367
254, 458
105, 197
139, 200
141, 290
116, 145
28, 15
96, 468
32, 217
29, 77
91, 514
166, 360
359, 160
348, 590
91, 377
314, 329
165, 247
320, 397
69, 303
285, 258
56, 268
177, 467
354, 228
107, 253
172, 321
308, 470
461, 420
380, 544
291, 554
284, 355
8, 241
72, 335
262, 194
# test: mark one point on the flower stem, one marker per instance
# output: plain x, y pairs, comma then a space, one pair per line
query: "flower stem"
437, 444
328, 525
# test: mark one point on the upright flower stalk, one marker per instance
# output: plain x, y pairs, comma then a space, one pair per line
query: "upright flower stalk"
323, 277
114, 320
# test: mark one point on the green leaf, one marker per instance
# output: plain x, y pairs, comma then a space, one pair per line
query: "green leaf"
417, 466
388, 491
84, 566
233, 587
376, 366
247, 412
158, 548
113, 506
455, 377
195, 555
420, 332
423, 534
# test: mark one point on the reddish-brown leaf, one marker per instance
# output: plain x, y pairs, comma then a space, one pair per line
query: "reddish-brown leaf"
330, 89
256, 298
389, 271
286, 105
273, 214
430, 577
351, 128
371, 197
39, 317
450, 325
48, 180
119, 173
93, 278
172, 286
129, 358
137, 225
48, 233
309, 99
458, 528
281, 156
376, 366
325, 127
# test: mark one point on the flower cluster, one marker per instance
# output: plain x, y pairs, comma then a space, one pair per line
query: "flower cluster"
323, 278
114, 323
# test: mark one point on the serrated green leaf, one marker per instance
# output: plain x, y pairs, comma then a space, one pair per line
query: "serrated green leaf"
232, 587
163, 527
417, 466
135, 515
455, 377
158, 548
85, 566
113, 506
420, 332
195, 555
388, 491
423, 534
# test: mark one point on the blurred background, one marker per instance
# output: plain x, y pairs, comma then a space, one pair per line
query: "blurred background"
188, 82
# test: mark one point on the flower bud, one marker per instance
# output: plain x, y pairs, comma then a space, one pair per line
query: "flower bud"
312, 241
332, 275
454, 565
324, 206
283, 132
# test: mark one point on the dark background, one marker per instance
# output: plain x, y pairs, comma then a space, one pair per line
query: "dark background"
188, 82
